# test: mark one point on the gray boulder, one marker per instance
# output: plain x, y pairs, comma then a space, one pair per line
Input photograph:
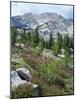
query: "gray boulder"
20, 76
16, 80
24, 74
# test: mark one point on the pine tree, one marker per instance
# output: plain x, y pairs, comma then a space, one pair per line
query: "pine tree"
57, 44
66, 45
72, 42
50, 41
23, 39
66, 41
55, 48
47, 44
66, 57
59, 41
41, 44
32, 37
36, 37
13, 35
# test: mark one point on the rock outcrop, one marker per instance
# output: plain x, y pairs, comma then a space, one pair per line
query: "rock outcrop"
20, 77
16, 80
24, 74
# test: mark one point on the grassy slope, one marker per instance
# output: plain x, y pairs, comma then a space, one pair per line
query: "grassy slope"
53, 77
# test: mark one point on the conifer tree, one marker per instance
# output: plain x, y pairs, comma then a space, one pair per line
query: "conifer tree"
13, 35
55, 48
66, 41
59, 42
36, 37
50, 41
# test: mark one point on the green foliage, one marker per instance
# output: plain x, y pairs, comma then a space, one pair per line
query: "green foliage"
36, 37
57, 45
53, 77
67, 44
24, 91
47, 44
33, 38
44, 68
23, 38
13, 35
59, 41
41, 46
40, 90
29, 37
66, 41
53, 73
49, 69
60, 82
55, 48
72, 42
50, 41
67, 56
56, 80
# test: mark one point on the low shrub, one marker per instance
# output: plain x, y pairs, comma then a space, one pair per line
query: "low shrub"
23, 91
40, 90
56, 80
60, 82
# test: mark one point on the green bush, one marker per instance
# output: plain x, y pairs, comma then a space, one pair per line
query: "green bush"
13, 35
52, 68
56, 80
40, 90
24, 91
60, 82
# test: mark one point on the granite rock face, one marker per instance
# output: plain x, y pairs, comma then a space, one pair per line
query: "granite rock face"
45, 22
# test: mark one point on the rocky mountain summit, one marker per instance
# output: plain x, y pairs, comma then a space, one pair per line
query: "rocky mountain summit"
45, 22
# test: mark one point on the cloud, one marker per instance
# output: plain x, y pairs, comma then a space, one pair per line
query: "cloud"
22, 8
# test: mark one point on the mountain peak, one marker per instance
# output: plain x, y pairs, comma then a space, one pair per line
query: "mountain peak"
48, 22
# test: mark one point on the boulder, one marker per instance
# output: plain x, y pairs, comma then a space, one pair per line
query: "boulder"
22, 45
16, 80
20, 76
34, 85
24, 74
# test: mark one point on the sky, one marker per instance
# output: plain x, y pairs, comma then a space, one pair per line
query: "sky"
19, 8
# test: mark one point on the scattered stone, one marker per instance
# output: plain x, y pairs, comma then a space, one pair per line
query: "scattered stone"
61, 55
17, 44
22, 45
34, 85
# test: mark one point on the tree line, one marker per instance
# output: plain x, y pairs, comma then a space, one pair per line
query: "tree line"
34, 40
